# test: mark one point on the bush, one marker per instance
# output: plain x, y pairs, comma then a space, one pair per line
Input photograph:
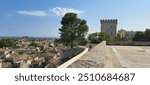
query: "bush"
98, 37
7, 43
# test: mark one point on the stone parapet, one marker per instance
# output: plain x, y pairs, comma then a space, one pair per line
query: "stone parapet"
95, 58
108, 20
69, 62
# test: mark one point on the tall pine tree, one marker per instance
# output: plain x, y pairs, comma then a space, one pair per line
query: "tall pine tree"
73, 30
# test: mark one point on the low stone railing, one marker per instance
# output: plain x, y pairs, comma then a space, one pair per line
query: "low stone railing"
72, 60
95, 58
129, 43
88, 59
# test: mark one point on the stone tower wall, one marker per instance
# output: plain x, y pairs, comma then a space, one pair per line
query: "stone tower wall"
109, 26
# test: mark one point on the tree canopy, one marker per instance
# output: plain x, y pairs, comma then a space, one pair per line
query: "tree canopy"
104, 36
93, 37
73, 30
98, 37
7, 43
34, 44
139, 36
147, 34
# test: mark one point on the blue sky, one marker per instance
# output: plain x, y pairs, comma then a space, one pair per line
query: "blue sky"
41, 18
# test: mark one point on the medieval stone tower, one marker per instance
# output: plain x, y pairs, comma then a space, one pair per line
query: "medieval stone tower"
109, 26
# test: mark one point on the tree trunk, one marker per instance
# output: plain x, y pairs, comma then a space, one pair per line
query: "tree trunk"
72, 44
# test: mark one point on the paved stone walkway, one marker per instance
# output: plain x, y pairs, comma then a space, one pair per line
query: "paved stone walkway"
95, 58
133, 56
102, 56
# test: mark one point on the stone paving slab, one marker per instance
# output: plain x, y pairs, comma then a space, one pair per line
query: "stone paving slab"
134, 56
102, 56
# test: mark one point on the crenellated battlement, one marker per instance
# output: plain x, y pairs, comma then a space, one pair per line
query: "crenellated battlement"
108, 21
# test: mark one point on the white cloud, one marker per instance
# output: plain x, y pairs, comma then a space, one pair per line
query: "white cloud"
60, 11
33, 13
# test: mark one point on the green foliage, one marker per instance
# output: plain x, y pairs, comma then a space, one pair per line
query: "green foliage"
118, 38
94, 38
82, 41
139, 36
147, 34
7, 43
104, 36
73, 30
142, 36
34, 44
99, 37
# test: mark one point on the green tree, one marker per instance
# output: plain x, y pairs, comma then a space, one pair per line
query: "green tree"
147, 34
73, 29
82, 41
104, 36
7, 43
34, 44
99, 37
94, 38
139, 36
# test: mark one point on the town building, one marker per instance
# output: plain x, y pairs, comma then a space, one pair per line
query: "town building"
126, 34
122, 33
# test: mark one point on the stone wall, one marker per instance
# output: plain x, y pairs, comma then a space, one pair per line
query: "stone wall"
95, 58
70, 53
109, 26
126, 43
80, 51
